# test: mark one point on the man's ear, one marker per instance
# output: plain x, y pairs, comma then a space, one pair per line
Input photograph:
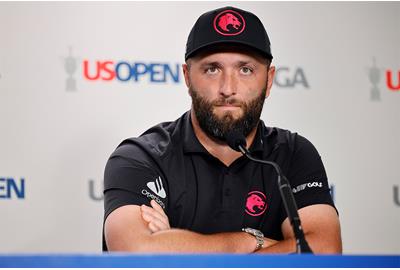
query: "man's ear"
185, 69
271, 76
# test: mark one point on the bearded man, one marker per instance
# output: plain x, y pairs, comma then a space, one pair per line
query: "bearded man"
179, 187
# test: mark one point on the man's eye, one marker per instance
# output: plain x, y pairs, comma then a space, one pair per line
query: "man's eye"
246, 70
211, 70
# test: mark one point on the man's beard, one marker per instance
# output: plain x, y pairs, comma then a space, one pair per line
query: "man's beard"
217, 127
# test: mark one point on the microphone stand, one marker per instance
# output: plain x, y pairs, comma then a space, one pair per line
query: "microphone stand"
288, 201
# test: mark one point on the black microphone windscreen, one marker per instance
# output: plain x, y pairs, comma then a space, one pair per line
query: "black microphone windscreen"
234, 138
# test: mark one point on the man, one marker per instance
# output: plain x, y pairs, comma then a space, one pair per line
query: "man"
180, 188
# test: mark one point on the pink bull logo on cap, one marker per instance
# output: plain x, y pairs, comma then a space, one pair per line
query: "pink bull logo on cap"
256, 203
229, 23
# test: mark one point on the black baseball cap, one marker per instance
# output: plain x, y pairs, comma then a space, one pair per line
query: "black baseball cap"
228, 25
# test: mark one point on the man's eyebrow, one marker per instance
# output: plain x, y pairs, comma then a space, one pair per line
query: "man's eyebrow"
244, 63
218, 64
211, 64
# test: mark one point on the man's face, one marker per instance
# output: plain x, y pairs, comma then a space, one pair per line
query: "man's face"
228, 90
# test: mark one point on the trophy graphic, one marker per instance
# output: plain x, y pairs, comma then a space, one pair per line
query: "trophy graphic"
374, 75
70, 66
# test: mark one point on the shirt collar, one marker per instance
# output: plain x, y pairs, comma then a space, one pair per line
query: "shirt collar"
258, 143
190, 142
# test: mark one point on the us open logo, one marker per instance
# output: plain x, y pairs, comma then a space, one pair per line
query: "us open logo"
229, 23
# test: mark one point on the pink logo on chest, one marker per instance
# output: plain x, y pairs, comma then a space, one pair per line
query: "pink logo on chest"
256, 203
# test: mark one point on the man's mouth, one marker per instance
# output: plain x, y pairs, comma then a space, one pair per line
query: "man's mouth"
232, 103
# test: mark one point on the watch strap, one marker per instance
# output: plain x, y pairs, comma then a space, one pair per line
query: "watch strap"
258, 235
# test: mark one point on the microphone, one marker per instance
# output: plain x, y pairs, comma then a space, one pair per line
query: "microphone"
236, 140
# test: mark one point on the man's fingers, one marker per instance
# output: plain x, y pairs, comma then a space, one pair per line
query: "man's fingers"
159, 225
157, 207
156, 221
153, 228
156, 215
147, 217
154, 224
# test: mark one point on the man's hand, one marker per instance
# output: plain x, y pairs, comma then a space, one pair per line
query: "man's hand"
155, 216
268, 242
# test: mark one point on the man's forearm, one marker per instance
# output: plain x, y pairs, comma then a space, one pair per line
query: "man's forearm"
318, 244
177, 240
164, 239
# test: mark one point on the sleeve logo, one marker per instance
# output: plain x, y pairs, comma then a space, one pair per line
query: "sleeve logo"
157, 187
307, 185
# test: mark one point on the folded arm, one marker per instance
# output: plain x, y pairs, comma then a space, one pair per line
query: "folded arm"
320, 223
127, 230
146, 229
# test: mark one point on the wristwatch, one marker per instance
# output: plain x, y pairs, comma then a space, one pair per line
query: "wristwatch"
258, 235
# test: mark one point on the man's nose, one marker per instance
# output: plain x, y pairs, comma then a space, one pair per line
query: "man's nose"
228, 85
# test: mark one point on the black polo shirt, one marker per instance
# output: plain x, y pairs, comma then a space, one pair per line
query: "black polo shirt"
198, 192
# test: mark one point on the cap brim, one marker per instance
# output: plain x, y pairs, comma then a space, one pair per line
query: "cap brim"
250, 46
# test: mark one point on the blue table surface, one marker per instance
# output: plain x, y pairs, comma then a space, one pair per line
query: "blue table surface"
202, 261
